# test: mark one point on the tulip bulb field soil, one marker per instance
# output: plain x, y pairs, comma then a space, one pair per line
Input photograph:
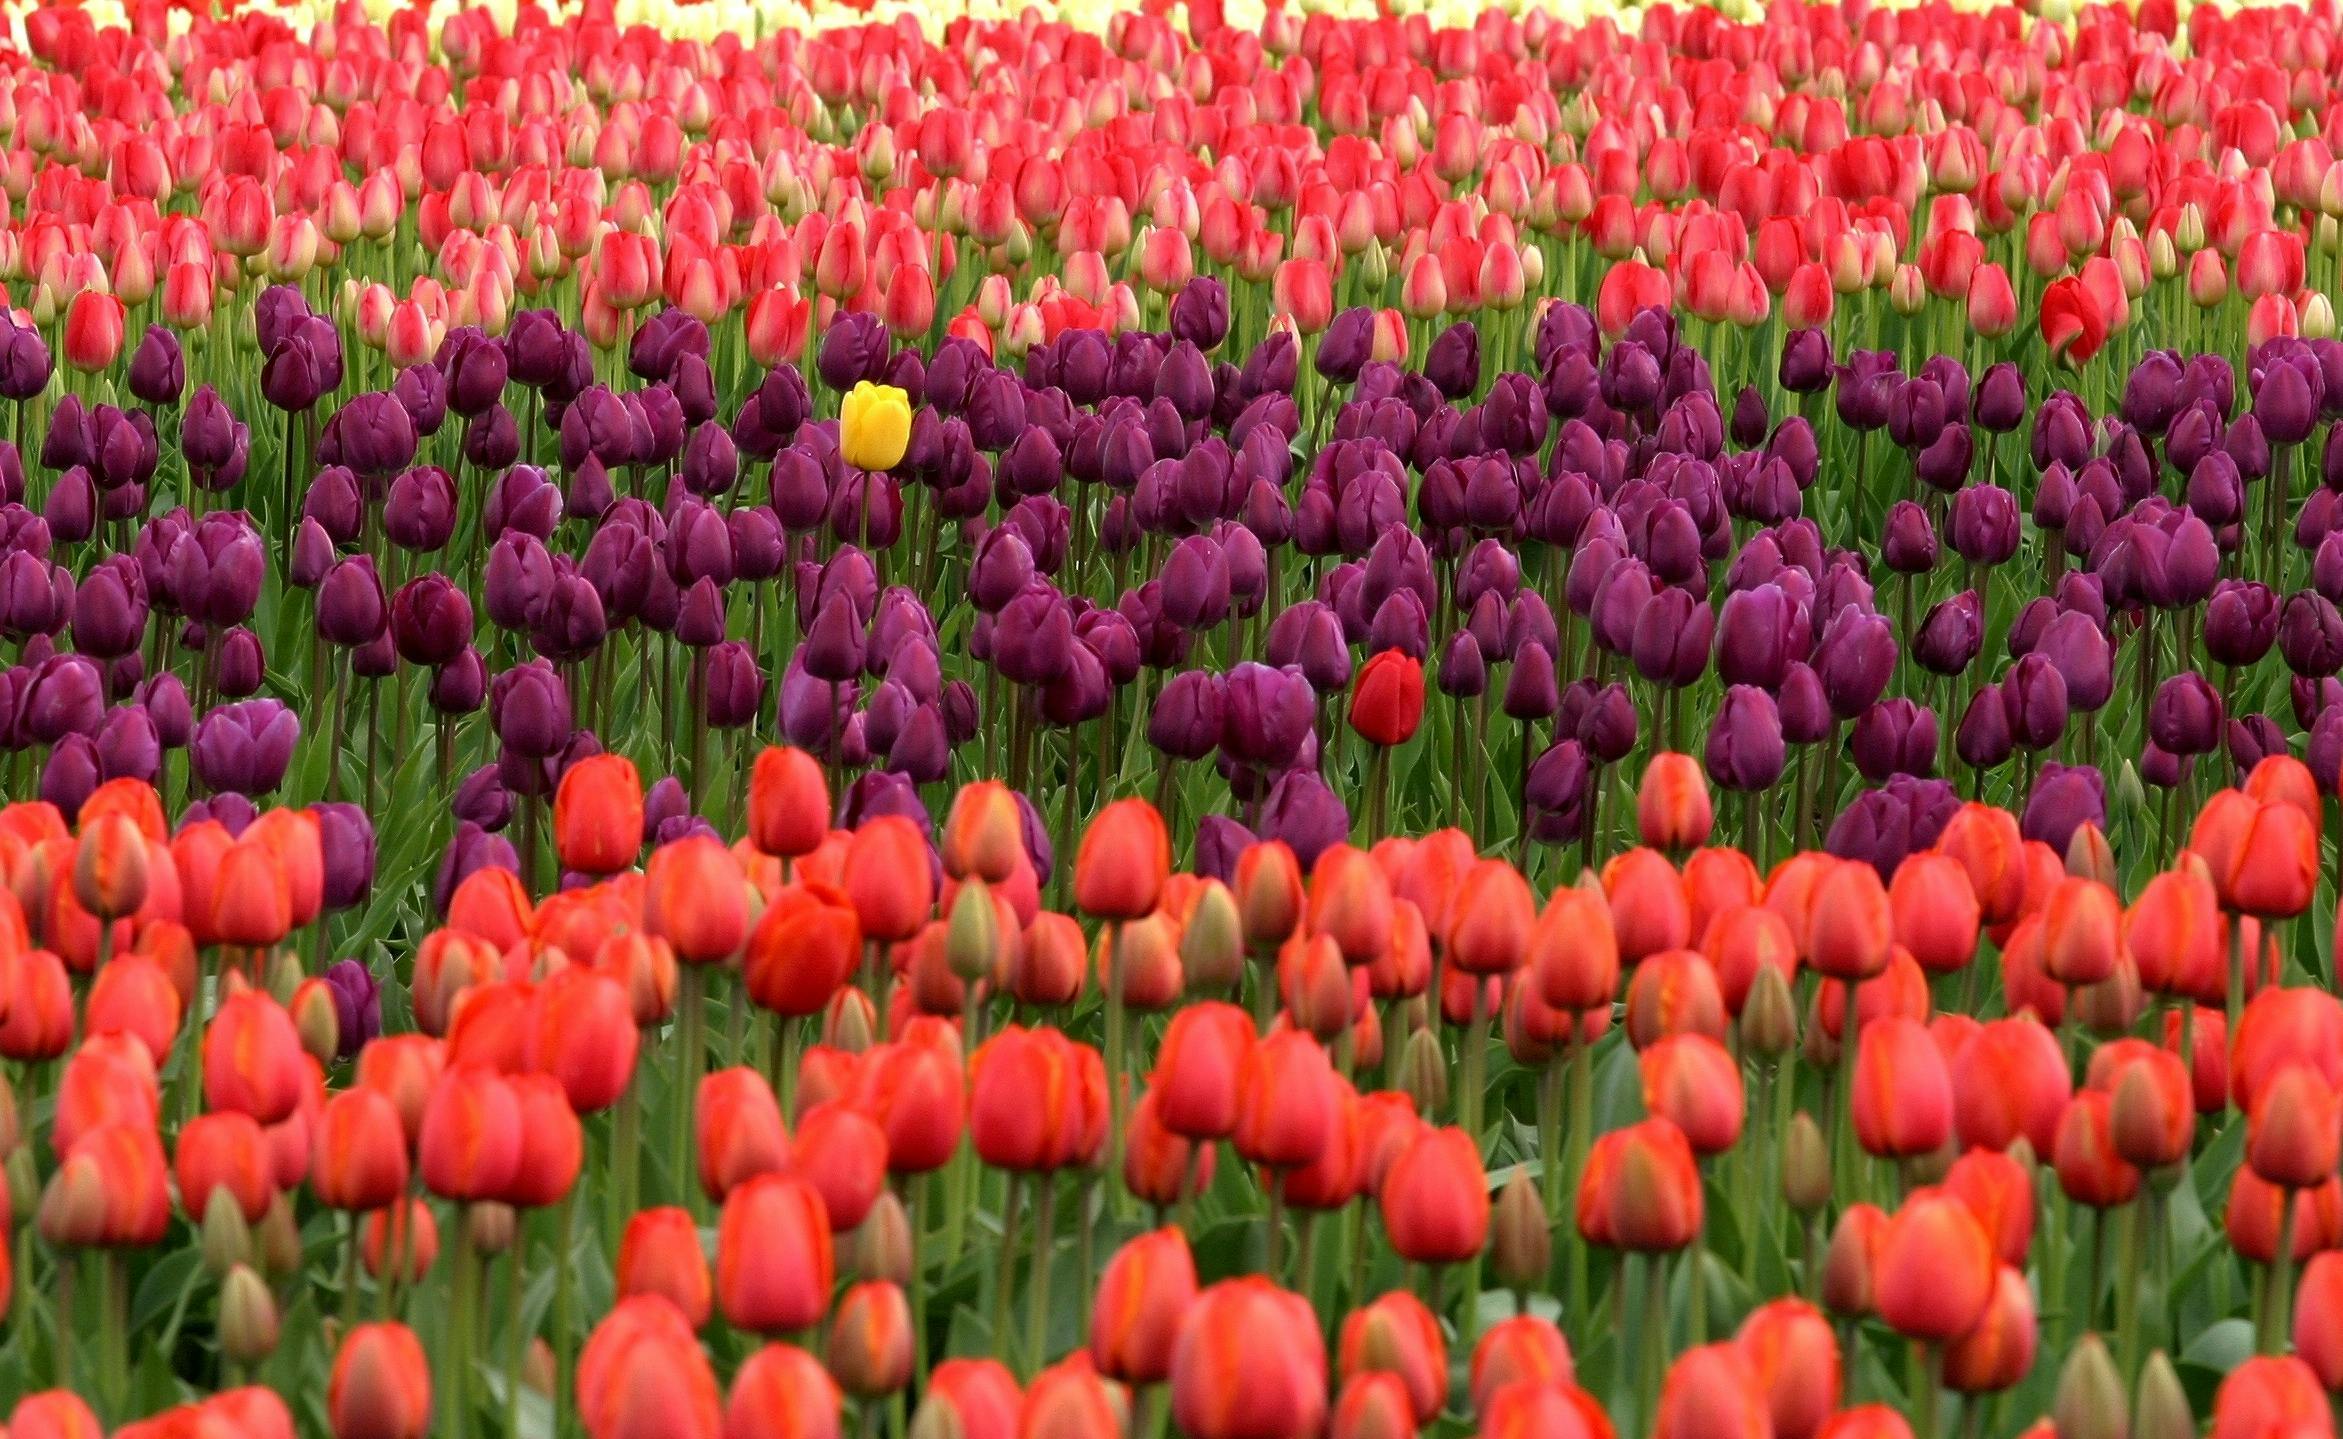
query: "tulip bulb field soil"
929, 722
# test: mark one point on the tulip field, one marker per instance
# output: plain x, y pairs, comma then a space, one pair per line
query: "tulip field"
728, 721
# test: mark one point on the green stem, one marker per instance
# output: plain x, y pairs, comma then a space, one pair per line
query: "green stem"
1037, 1282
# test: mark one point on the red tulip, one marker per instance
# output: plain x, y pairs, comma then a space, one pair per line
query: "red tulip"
1524, 1349
1387, 698
737, 1131
1396, 1334
1794, 1353
1249, 1364
381, 1385
1902, 1097
1143, 1293
660, 1254
1712, 1392
781, 1393
642, 1375
1936, 1268
1640, 1190
773, 1256
1435, 1199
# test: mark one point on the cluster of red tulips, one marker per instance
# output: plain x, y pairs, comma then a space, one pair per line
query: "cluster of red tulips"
1683, 1149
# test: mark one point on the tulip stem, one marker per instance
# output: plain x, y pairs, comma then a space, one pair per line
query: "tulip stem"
691, 1028
1476, 1063
1037, 1281
1927, 1369
564, 1297
456, 1365
1116, 1042
516, 1344
2277, 1297
626, 1133
1005, 1275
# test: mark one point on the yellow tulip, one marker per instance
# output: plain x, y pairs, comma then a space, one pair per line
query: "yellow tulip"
874, 426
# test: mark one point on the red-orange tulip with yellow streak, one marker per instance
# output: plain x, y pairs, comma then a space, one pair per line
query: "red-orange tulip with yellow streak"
1249, 1364
696, 898
788, 802
470, 1145
1850, 925
1351, 903
2173, 930
913, 1089
1396, 1334
1691, 1080
1198, 1066
134, 800
223, 1152
2294, 1127
1649, 912
2081, 932
1674, 992
1902, 1095
2270, 1394
598, 815
252, 1058
1047, 966
1490, 922
110, 863
869, 1351
1288, 1101
781, 1393
1712, 1392
552, 1144
660, 1253
1997, 1353
1672, 810
106, 1081
251, 900
1743, 940
292, 836
1269, 892
1123, 860
2000, 1192
1640, 1190
132, 995
1028, 1102
37, 1023
109, 1192
1429, 871
1160, 1167
2089, 1169
1794, 1352
381, 1385
1574, 951
1986, 843
2153, 1110
984, 836
1373, 1405
582, 1032
357, 1153
887, 880
2283, 779
2282, 1027
644, 966
1524, 1349
401, 1237
1935, 912
2318, 1318
1435, 1199
642, 1375
2264, 857
1143, 1293
774, 1261
737, 1130
1717, 880
1936, 1268
1544, 1409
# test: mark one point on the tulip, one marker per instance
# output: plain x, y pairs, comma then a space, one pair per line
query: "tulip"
381, 1386
773, 1256
1248, 1364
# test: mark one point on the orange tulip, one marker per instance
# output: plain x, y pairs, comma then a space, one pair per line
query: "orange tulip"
1936, 1268
552, 1144
1125, 855
1640, 1190
252, 1058
984, 836
2153, 1110
582, 1032
1351, 903
2270, 1394
696, 898
1269, 893
1691, 1080
913, 1090
2010, 1080
1544, 1409
2318, 1318
224, 1153
1525, 1349
642, 1375
1850, 926
1574, 953
1435, 1199
110, 867
1143, 1293
1288, 1101
1197, 1069
55, 1414
2089, 1169
292, 836
2264, 857
1491, 920
358, 1153
1986, 843
1035, 1098
737, 1131
132, 995
2000, 1192
1372, 1406
1672, 806
1935, 912
251, 899
1742, 940
381, 1385
788, 802
888, 879
598, 815
1716, 880
1649, 912
1998, 1351
109, 1191
660, 1253
1794, 1353
470, 1145
774, 1261
1674, 992
2174, 932
2081, 932
843, 1154
1902, 1095
1396, 1334
1712, 1392
1248, 1364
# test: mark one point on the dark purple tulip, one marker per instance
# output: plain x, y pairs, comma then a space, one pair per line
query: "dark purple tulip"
1462, 673
346, 838
1453, 361
699, 615
1187, 719
1806, 714
461, 685
2313, 697
1608, 726
1855, 660
1909, 547
1894, 736
1196, 584
516, 581
25, 365
492, 440
2034, 702
867, 510
1266, 715
1531, 690
2286, 402
246, 746
1346, 345
420, 514
128, 747
2074, 643
1304, 813
70, 775
2062, 433
2241, 622
214, 573
2065, 798
472, 848
2185, 717
376, 659
36, 597
1560, 783
481, 799
357, 997
237, 662
1746, 750
164, 698
1758, 633
2151, 394
2252, 739
158, 372
1984, 528
2197, 430
1750, 420
476, 369
853, 348
2310, 634
1081, 693
2324, 751
1671, 640
1951, 636
571, 622
65, 694
2248, 445
1033, 640
735, 685
1806, 366
431, 620
1220, 841
529, 708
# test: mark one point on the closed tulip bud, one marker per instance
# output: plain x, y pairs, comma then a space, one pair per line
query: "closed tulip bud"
248, 1316
1269, 892
1521, 1246
880, 1247
870, 1342
2161, 1410
224, 1238
2089, 1402
381, 1385
972, 933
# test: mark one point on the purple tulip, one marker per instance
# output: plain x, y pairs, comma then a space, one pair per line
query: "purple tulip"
2065, 798
357, 999
245, 747
346, 840
1746, 750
